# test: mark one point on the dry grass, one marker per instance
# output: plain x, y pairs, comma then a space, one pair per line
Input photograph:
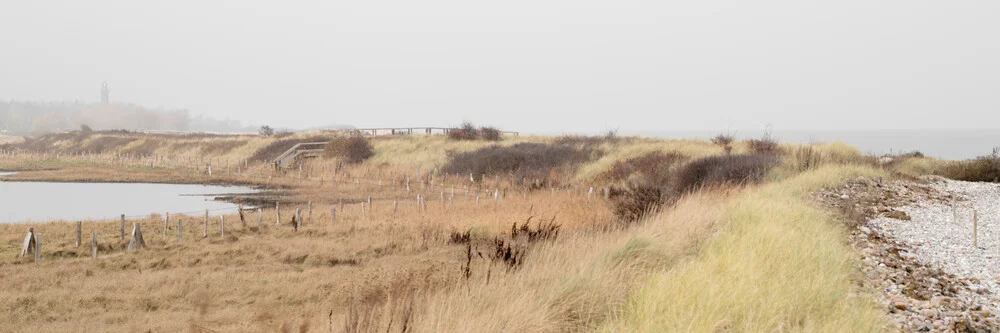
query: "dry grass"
778, 264
717, 260
252, 281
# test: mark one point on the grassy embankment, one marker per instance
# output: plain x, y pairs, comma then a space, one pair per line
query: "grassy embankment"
776, 263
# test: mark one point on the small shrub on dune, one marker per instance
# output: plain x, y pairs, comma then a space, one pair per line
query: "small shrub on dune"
724, 141
353, 149
489, 133
765, 145
467, 131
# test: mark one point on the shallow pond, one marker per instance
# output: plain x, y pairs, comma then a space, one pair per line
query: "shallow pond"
42, 201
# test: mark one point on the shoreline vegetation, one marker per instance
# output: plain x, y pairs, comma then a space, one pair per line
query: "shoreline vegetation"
439, 234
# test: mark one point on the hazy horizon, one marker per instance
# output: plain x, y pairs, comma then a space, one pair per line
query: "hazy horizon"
531, 66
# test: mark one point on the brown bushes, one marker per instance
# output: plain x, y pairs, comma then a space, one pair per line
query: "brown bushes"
637, 202
489, 133
725, 141
640, 199
721, 170
765, 145
981, 169
468, 131
652, 168
523, 160
353, 149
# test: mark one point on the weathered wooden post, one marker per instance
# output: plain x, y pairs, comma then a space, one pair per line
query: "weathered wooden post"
38, 247
395, 205
204, 232
954, 212
590, 192
260, 219
93, 245
137, 242
180, 233
79, 231
222, 226
166, 222
277, 213
121, 228
975, 228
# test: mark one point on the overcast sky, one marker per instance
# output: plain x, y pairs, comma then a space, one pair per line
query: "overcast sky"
530, 65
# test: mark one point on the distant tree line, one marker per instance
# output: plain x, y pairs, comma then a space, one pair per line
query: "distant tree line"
40, 118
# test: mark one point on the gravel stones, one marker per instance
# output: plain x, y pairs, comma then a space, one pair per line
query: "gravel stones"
917, 252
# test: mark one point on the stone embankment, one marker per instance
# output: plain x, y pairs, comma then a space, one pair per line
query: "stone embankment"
918, 251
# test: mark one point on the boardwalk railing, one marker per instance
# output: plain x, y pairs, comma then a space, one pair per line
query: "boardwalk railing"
297, 150
406, 131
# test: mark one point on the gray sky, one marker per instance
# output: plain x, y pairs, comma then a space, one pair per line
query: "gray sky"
530, 65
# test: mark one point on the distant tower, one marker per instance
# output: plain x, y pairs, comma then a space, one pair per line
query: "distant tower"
105, 93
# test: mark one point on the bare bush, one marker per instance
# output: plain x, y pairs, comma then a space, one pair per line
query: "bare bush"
353, 149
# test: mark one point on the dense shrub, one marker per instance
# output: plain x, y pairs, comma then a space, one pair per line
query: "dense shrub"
651, 169
637, 202
527, 160
465, 132
981, 169
721, 170
489, 133
352, 149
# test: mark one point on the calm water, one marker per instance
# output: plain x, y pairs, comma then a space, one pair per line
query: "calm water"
38, 201
946, 144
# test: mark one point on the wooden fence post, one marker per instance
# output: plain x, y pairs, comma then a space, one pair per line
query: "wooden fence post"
395, 205
38, 246
121, 228
205, 226
277, 213
137, 242
222, 226
79, 231
180, 234
93, 245
166, 222
260, 219
363, 210
975, 228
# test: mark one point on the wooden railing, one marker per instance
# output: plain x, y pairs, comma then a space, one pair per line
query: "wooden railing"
406, 131
299, 149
